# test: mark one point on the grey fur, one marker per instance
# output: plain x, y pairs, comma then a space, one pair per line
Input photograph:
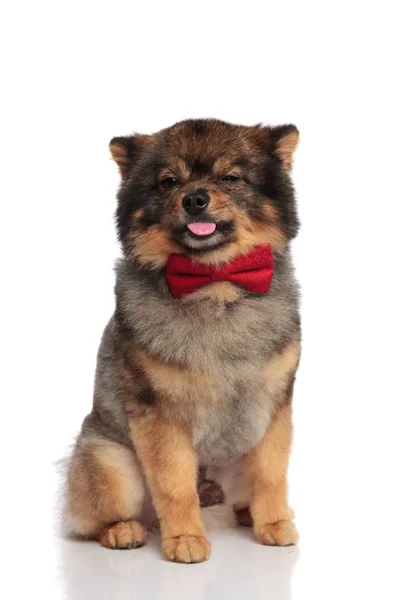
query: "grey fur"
229, 343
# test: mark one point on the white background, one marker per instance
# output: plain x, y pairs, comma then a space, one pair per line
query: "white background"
74, 74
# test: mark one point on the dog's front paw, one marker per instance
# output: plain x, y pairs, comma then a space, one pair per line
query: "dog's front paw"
186, 549
281, 533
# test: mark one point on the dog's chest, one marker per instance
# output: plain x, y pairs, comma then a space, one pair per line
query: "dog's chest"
229, 419
213, 376
221, 391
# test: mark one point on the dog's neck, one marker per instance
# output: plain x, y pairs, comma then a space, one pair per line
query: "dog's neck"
252, 272
154, 280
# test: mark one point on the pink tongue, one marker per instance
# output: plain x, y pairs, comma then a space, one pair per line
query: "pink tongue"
202, 228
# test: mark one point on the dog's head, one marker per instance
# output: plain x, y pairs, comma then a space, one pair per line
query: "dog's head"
205, 188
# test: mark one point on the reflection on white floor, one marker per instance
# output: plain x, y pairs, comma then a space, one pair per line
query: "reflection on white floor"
348, 549
238, 568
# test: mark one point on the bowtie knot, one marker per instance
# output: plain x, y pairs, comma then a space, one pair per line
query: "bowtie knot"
252, 271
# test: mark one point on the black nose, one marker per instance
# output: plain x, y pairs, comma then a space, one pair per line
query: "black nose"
195, 203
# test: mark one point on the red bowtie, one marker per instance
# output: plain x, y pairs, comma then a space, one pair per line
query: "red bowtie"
252, 271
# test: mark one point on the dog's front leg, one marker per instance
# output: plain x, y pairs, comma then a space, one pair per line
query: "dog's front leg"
170, 465
266, 467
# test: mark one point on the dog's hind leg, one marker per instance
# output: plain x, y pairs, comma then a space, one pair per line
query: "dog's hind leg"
105, 490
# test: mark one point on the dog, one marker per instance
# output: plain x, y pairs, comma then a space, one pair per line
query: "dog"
196, 368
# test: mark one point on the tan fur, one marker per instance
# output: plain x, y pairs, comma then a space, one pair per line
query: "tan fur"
120, 155
152, 246
267, 469
170, 465
266, 466
251, 236
186, 549
171, 381
223, 166
106, 486
281, 368
223, 291
285, 148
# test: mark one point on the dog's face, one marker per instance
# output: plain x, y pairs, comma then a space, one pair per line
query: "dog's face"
205, 188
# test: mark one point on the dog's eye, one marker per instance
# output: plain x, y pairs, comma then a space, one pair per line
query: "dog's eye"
229, 178
169, 182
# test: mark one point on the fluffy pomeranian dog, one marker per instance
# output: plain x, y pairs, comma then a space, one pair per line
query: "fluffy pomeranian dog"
196, 367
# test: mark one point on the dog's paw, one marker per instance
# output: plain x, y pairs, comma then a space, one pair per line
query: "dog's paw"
186, 549
123, 535
281, 533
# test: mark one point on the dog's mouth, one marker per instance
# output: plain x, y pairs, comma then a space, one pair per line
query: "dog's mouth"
204, 235
202, 229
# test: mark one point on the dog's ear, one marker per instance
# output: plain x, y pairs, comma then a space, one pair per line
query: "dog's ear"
126, 150
284, 139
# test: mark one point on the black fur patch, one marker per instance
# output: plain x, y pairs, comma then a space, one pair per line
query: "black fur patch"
146, 397
210, 493
199, 126
201, 169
